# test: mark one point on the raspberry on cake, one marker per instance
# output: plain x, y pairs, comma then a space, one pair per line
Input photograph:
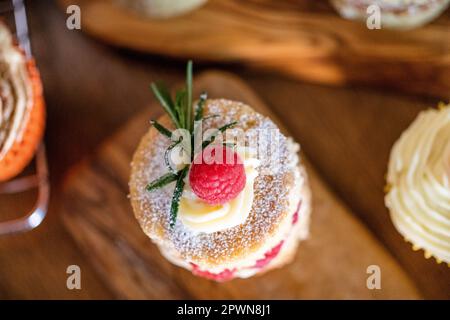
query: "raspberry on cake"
220, 219
214, 179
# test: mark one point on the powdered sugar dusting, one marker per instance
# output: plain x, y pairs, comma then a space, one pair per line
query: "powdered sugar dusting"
271, 189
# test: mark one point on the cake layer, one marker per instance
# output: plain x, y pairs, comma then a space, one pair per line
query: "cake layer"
277, 251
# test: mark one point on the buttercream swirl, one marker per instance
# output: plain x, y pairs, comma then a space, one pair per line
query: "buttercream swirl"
15, 92
419, 183
200, 216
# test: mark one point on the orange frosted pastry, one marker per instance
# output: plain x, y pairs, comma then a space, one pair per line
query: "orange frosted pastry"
22, 109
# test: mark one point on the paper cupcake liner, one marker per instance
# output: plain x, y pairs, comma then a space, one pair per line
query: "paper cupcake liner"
426, 253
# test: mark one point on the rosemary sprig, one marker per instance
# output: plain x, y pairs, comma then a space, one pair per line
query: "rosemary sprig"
181, 112
163, 130
189, 109
211, 116
200, 106
162, 181
162, 94
177, 195
180, 106
213, 137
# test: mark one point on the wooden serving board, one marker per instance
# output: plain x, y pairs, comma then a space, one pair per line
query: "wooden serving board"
304, 39
331, 264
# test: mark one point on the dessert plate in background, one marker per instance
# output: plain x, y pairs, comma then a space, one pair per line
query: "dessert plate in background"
304, 39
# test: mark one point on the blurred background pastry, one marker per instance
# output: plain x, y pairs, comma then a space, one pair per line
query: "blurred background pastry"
162, 8
418, 180
401, 14
22, 111
279, 57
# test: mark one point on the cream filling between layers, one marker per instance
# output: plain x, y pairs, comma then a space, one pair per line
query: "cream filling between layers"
418, 179
15, 92
199, 216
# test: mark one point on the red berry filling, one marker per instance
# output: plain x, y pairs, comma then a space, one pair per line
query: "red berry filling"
295, 217
222, 276
268, 256
217, 175
261, 263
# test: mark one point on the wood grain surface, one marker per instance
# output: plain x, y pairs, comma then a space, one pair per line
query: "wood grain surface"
304, 39
332, 264
91, 89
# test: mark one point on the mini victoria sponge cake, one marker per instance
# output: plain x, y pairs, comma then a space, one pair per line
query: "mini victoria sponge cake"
279, 210
22, 109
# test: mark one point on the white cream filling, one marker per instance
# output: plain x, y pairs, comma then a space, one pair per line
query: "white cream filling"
199, 216
418, 178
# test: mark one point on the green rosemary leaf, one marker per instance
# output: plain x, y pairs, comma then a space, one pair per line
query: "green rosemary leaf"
177, 195
211, 116
180, 106
178, 97
163, 130
189, 109
200, 106
162, 94
161, 181
219, 131
227, 126
167, 154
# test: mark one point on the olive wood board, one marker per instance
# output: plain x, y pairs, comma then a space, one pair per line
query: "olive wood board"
304, 39
331, 264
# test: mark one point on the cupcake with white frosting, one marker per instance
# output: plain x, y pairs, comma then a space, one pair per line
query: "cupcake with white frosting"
230, 202
418, 180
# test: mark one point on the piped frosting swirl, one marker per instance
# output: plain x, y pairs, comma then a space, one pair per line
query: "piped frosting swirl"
199, 216
419, 183
16, 92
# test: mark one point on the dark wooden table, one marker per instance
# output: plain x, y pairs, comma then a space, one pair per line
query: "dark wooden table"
91, 89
